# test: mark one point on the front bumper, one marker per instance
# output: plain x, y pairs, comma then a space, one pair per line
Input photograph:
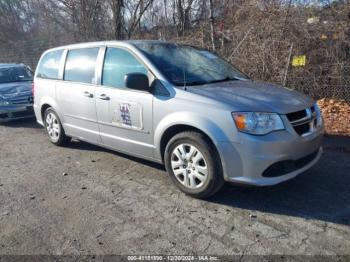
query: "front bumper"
252, 160
14, 112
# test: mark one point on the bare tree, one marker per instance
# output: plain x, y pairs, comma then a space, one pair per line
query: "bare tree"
117, 10
183, 12
85, 18
17, 20
136, 11
256, 35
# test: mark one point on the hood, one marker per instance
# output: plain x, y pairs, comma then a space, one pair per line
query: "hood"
247, 95
11, 90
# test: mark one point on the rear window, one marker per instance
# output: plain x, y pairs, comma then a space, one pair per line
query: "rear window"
49, 64
80, 65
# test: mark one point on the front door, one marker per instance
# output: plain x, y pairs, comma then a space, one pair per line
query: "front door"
76, 95
124, 115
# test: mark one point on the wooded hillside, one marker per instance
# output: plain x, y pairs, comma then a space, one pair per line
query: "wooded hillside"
303, 44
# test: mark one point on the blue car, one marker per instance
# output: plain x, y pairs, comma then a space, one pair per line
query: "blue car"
16, 97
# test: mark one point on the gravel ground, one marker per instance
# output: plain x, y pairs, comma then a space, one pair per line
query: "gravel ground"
82, 200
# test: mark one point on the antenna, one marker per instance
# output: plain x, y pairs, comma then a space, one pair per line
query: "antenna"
184, 73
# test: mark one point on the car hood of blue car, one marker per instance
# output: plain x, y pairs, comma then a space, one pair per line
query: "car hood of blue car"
14, 89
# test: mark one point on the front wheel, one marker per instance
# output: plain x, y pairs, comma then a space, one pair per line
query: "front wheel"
193, 164
54, 128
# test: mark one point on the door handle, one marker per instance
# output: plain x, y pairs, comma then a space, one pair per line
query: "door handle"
103, 97
88, 94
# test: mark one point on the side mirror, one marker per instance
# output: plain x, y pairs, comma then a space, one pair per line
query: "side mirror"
137, 81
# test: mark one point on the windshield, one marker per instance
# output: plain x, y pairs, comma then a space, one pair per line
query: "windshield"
15, 74
186, 65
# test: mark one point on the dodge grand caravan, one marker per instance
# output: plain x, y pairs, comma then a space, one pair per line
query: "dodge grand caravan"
181, 106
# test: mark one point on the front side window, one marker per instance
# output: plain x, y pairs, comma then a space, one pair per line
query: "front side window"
187, 65
15, 74
49, 64
119, 62
80, 65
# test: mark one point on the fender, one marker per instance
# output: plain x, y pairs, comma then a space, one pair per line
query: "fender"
192, 119
50, 101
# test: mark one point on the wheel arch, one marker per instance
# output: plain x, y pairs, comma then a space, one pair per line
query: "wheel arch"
170, 127
176, 129
43, 109
47, 102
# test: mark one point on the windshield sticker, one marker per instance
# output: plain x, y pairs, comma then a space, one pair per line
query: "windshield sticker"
125, 114
209, 55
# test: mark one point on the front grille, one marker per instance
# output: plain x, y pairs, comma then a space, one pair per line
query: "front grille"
303, 121
287, 166
296, 115
20, 101
302, 129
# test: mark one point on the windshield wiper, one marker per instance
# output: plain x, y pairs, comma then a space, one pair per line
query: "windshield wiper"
223, 80
196, 83
193, 83
202, 82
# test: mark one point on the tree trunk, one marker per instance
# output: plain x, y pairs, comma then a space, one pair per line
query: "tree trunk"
180, 14
117, 8
140, 14
211, 18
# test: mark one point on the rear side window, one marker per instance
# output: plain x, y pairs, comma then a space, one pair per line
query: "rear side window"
119, 62
80, 65
49, 64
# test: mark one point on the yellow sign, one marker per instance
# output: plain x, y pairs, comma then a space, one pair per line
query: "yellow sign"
299, 60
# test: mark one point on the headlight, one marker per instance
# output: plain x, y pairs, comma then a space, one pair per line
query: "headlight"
319, 114
257, 123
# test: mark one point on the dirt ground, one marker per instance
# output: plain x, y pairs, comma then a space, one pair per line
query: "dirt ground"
82, 200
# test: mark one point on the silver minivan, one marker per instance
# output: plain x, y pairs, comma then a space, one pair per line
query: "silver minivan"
181, 106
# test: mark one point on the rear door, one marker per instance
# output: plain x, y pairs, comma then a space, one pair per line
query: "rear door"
76, 94
125, 116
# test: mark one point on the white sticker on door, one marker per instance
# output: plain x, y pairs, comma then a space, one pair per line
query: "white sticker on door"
125, 114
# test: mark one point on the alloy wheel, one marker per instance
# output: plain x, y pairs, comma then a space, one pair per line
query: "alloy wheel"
189, 166
53, 127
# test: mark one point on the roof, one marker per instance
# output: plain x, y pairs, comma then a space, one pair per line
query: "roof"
100, 43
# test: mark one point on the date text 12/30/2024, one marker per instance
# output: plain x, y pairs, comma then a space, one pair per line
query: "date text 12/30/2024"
172, 258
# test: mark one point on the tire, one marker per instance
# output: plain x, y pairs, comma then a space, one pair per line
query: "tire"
199, 173
54, 128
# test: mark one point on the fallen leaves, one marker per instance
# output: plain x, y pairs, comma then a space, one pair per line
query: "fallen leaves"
336, 115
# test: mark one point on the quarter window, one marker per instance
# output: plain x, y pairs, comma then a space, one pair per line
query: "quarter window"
49, 64
80, 65
119, 62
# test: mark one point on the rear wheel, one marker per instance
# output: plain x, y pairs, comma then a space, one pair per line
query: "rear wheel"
54, 128
193, 164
